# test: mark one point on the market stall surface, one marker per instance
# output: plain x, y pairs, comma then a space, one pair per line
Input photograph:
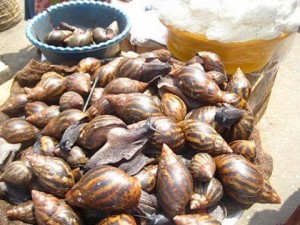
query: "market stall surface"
279, 127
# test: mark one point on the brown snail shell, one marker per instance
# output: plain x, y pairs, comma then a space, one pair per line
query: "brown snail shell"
202, 137
33, 107
168, 132
148, 205
124, 85
75, 157
48, 144
51, 210
173, 107
14, 104
134, 107
121, 219
235, 100
195, 219
23, 212
79, 82
42, 118
246, 148
202, 167
218, 77
71, 100
106, 188
206, 194
17, 130
17, 172
80, 39
147, 177
209, 60
100, 107
96, 95
50, 88
195, 83
60, 123
94, 133
49, 172
239, 177
239, 84
174, 183
88, 65
99, 35
57, 37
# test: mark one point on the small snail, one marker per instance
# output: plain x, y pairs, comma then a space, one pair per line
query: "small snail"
23, 212
202, 167
57, 37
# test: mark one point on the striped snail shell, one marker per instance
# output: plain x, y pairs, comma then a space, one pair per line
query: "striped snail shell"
88, 65
107, 72
124, 85
17, 130
93, 135
239, 84
80, 39
148, 204
42, 118
50, 171
195, 83
50, 88
134, 107
195, 219
209, 60
23, 212
75, 157
202, 167
100, 107
202, 137
168, 132
51, 210
106, 188
96, 95
61, 122
239, 177
246, 148
147, 177
206, 194
79, 82
173, 107
14, 104
33, 107
48, 144
174, 183
218, 77
121, 219
17, 172
71, 100
235, 100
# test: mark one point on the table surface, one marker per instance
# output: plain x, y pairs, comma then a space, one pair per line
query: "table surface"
279, 127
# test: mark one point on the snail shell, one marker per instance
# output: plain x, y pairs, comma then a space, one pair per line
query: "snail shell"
17, 172
239, 177
50, 88
218, 77
195, 219
80, 39
134, 107
147, 177
202, 137
88, 65
71, 100
202, 167
75, 157
17, 130
33, 107
48, 144
79, 82
173, 107
42, 118
60, 123
245, 148
57, 37
174, 183
206, 194
195, 83
100, 107
124, 85
122, 219
51, 210
235, 100
14, 104
99, 35
239, 84
53, 173
106, 188
23, 212
168, 132
96, 95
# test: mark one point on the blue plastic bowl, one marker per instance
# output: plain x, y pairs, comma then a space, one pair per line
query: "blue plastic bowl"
86, 14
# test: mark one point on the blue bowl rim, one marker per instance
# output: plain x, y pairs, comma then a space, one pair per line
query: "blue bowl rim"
89, 48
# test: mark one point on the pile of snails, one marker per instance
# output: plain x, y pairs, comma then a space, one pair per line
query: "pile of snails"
139, 139
66, 35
